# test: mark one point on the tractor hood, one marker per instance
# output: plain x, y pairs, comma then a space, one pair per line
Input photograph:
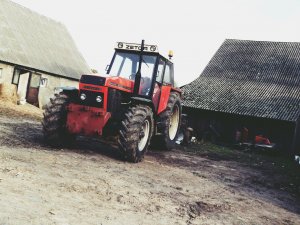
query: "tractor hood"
115, 82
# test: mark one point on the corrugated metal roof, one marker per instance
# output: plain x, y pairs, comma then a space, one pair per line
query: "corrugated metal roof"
252, 78
35, 41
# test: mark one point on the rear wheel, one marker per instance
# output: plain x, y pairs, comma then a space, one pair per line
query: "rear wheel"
169, 122
136, 132
54, 121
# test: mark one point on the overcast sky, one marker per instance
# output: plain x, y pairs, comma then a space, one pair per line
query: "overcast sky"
193, 29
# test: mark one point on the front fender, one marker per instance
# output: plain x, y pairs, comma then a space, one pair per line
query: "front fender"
72, 92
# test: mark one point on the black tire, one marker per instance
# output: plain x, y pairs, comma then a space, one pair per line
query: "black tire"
54, 122
165, 140
134, 137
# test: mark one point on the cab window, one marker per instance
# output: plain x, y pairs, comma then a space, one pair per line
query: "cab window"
168, 75
126, 65
160, 70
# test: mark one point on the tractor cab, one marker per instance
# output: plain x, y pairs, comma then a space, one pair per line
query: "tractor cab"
155, 70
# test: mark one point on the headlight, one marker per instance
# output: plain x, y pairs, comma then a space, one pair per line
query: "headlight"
83, 96
98, 99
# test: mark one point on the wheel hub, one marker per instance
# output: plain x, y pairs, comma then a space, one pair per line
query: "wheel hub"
144, 135
174, 122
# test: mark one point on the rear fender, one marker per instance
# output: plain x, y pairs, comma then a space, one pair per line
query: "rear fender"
164, 98
178, 90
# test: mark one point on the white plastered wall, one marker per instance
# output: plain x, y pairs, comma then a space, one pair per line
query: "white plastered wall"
45, 93
7, 73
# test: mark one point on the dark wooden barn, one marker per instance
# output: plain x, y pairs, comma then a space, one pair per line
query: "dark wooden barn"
252, 84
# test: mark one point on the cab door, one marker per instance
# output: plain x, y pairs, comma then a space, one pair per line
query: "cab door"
158, 83
167, 84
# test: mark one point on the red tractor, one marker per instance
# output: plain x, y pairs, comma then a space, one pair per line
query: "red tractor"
135, 101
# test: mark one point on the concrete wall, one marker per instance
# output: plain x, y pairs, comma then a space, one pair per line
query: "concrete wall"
45, 93
7, 73
8, 91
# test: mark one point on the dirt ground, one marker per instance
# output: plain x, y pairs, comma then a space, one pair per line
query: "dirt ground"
90, 184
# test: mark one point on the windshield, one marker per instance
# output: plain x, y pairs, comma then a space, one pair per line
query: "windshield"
126, 65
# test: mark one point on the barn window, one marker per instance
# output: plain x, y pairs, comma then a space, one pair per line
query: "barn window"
35, 80
44, 82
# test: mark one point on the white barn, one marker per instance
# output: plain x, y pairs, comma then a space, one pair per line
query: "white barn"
37, 54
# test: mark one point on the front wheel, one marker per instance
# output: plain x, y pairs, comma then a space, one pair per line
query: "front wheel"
54, 122
136, 132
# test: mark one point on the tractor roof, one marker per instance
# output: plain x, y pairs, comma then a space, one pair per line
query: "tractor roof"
132, 47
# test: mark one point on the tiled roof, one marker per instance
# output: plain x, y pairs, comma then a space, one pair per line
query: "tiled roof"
35, 41
252, 78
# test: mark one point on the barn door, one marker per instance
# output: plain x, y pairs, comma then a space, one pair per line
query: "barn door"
33, 89
22, 82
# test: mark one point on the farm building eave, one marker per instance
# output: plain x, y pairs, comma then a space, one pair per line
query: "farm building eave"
231, 114
38, 71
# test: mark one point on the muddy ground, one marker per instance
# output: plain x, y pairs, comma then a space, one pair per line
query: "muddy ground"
90, 184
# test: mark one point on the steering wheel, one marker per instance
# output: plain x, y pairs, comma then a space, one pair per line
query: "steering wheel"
142, 80
132, 76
